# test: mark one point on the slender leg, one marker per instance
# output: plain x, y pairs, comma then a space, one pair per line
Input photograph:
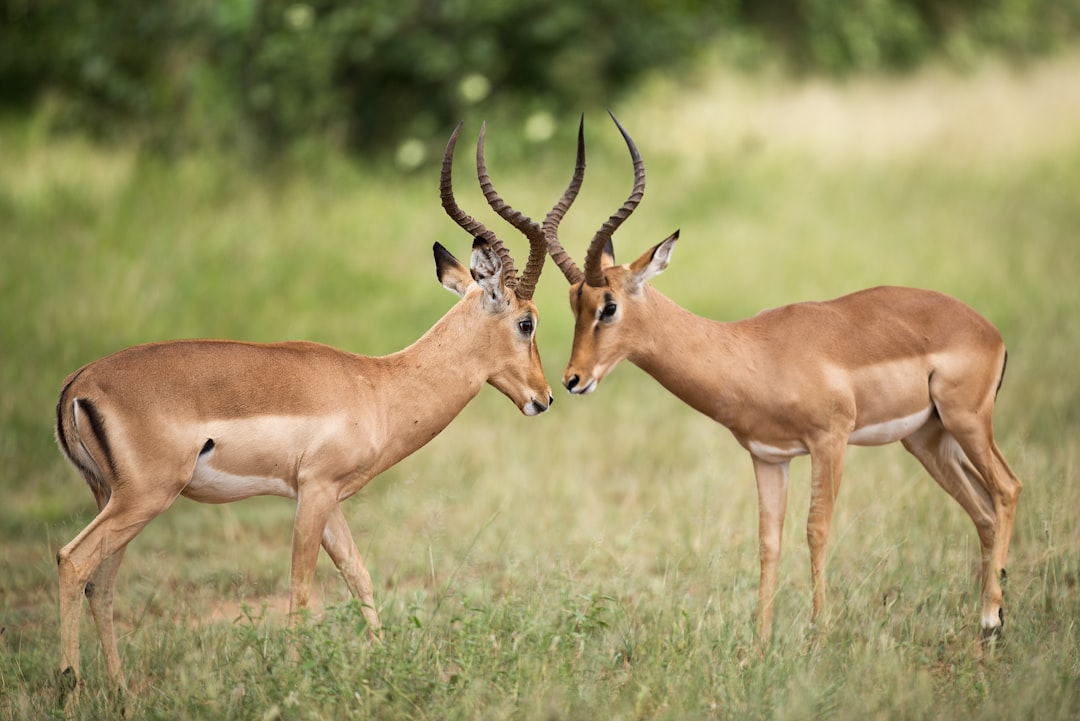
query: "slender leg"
101, 592
1009, 517
101, 543
772, 482
943, 458
339, 544
826, 469
965, 411
313, 509
973, 435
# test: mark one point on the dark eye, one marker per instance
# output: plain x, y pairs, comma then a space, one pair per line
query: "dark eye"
525, 326
608, 311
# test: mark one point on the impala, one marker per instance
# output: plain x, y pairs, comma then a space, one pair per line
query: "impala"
219, 421
876, 366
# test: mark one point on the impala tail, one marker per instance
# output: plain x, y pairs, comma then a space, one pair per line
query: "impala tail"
80, 433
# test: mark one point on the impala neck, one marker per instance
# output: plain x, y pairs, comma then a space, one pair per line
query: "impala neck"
433, 380
675, 334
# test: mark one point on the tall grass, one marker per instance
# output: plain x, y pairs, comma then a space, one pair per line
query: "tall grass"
599, 561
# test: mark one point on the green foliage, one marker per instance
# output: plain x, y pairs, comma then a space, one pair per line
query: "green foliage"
264, 74
358, 74
846, 37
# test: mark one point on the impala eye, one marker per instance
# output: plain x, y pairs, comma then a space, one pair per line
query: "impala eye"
525, 326
608, 311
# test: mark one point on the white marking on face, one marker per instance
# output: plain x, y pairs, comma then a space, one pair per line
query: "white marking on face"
587, 388
878, 434
533, 408
990, 621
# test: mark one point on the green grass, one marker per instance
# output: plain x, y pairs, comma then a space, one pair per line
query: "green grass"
599, 561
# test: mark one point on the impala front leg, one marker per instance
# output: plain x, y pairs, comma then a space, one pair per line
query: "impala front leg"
826, 468
313, 509
339, 544
772, 482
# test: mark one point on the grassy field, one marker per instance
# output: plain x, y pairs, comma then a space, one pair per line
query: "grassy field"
599, 561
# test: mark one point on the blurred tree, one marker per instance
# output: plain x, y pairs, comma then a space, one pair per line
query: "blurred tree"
364, 75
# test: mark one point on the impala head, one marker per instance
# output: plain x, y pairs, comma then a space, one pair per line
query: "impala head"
494, 293
609, 301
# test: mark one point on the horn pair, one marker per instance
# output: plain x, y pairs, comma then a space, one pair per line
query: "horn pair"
543, 238
525, 284
593, 274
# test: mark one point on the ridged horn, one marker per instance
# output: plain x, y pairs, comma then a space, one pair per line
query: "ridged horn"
551, 222
526, 284
594, 275
466, 221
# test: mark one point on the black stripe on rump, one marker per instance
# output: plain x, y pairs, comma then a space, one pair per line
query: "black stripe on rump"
97, 426
1001, 379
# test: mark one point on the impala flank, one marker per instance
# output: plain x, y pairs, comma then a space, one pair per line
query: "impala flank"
876, 366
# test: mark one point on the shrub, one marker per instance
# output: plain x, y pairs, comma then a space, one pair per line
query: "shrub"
364, 75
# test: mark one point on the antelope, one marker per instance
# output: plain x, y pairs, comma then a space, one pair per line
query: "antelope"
218, 421
879, 365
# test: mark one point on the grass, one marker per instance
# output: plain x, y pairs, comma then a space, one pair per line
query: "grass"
598, 561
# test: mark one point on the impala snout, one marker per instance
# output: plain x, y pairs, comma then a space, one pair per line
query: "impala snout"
574, 384
535, 407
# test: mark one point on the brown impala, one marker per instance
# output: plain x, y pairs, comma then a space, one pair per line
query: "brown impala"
876, 366
219, 421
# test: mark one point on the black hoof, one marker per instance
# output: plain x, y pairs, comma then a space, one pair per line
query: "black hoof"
66, 681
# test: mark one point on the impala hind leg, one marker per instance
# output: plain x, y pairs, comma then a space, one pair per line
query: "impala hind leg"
946, 462
772, 483
1003, 489
826, 469
101, 590
94, 556
338, 542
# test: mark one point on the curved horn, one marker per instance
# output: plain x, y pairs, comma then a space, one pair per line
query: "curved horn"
593, 274
551, 222
466, 221
526, 284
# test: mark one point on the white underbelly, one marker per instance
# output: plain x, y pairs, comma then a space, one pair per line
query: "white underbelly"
878, 434
213, 485
777, 454
875, 434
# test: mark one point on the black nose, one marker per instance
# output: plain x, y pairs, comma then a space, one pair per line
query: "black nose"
571, 382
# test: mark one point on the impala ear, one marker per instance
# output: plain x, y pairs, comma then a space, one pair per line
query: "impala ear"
607, 258
451, 273
652, 262
487, 271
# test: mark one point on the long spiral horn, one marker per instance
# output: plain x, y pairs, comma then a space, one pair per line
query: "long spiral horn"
526, 284
466, 221
551, 222
594, 275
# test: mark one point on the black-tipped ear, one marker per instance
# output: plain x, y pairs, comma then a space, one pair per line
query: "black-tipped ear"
666, 245
450, 271
651, 263
443, 259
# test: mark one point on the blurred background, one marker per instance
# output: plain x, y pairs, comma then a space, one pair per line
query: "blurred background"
391, 75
